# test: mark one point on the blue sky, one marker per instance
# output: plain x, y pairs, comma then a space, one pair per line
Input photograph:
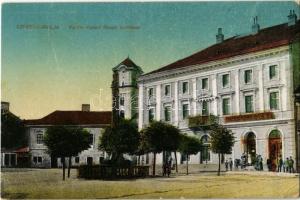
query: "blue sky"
47, 70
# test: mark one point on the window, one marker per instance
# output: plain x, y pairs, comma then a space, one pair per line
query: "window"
39, 138
167, 90
274, 101
121, 101
150, 92
77, 159
185, 87
225, 80
91, 139
205, 108
168, 113
122, 114
272, 71
101, 159
151, 114
89, 160
249, 104
226, 106
185, 111
248, 76
37, 159
204, 83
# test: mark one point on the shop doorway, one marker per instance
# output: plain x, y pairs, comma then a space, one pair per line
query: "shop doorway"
275, 148
250, 147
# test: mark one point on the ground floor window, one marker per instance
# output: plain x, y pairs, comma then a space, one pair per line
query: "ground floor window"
37, 159
89, 160
77, 159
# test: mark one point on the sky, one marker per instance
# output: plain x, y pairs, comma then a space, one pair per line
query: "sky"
57, 56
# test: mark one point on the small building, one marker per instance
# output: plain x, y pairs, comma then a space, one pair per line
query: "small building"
93, 121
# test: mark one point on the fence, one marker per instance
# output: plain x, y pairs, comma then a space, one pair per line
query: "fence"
111, 172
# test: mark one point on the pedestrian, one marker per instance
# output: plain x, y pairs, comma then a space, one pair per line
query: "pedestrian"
291, 164
286, 165
279, 164
230, 164
269, 164
226, 165
261, 163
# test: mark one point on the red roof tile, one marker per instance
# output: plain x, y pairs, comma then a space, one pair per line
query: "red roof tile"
267, 38
73, 118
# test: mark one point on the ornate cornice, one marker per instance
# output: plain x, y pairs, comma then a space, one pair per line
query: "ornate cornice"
192, 69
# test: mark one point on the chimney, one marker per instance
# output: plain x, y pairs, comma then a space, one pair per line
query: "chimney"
85, 107
219, 36
292, 18
255, 26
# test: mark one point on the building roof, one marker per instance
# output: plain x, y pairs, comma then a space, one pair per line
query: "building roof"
265, 39
73, 118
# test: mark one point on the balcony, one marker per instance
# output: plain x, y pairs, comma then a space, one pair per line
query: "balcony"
202, 122
249, 117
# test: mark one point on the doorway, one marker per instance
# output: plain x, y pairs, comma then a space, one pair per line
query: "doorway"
250, 147
275, 148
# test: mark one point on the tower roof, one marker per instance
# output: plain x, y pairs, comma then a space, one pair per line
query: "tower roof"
128, 63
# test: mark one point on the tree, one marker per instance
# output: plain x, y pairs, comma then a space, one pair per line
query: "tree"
188, 146
65, 142
222, 141
158, 137
12, 131
120, 139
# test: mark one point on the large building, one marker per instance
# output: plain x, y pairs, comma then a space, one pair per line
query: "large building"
247, 81
93, 122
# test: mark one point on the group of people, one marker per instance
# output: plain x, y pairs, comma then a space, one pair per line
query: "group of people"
286, 165
259, 163
228, 163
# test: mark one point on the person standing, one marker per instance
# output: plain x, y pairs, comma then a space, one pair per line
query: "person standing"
291, 165
261, 168
230, 164
279, 164
226, 165
286, 165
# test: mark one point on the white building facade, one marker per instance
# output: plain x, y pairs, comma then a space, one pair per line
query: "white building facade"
246, 81
93, 122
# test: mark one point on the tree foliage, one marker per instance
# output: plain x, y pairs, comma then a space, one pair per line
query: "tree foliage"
222, 141
158, 137
13, 133
123, 138
63, 141
188, 146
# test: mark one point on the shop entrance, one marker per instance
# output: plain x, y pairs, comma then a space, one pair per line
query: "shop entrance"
250, 147
275, 148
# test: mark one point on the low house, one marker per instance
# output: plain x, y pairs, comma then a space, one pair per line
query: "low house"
92, 121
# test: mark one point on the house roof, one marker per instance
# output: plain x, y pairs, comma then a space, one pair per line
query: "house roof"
265, 39
73, 118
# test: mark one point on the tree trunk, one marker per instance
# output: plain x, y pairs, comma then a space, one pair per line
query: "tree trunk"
69, 167
154, 163
139, 160
187, 164
219, 168
176, 167
64, 166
